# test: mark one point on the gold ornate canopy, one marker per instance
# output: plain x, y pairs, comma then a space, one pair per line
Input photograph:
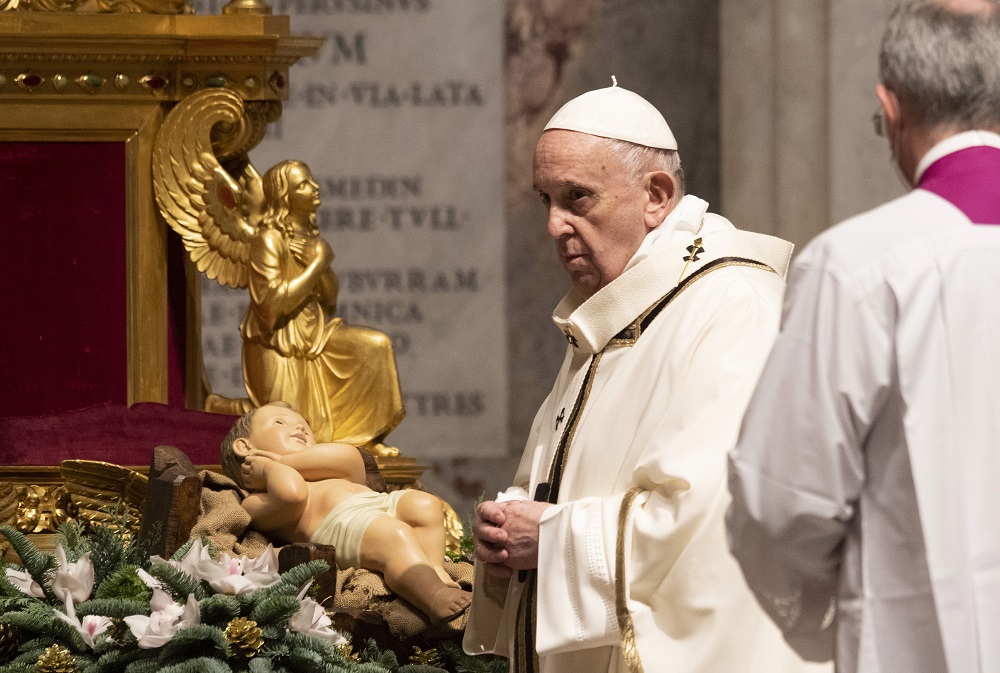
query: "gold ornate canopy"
70, 77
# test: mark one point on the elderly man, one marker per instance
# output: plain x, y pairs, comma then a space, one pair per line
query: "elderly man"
866, 474
609, 554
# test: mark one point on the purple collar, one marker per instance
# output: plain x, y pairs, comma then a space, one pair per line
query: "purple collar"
969, 179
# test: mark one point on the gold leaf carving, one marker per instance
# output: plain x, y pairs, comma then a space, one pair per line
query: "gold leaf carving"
214, 213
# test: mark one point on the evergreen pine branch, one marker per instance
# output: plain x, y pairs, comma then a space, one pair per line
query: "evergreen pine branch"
420, 668
31, 621
372, 667
15, 603
198, 665
460, 662
70, 536
7, 589
199, 639
124, 582
38, 564
260, 665
275, 610
115, 660
219, 608
29, 656
177, 582
386, 658
318, 645
142, 666
293, 579
112, 607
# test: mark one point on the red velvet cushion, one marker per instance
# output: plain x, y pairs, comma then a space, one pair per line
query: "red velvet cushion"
112, 433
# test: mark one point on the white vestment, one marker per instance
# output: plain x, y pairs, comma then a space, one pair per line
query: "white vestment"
649, 409
869, 461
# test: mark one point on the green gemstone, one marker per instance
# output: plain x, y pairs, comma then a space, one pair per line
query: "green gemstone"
92, 81
216, 81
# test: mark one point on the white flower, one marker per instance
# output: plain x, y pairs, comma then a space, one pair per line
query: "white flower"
235, 576
73, 582
312, 620
196, 553
23, 581
90, 627
166, 619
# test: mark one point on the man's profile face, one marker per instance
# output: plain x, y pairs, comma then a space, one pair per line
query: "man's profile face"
279, 430
595, 210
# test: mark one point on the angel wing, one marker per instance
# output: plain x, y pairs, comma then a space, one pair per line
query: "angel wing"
215, 214
98, 489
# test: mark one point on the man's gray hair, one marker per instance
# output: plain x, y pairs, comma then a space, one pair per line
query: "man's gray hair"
943, 63
639, 160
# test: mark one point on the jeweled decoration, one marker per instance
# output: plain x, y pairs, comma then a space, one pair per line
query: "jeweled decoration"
154, 82
216, 81
90, 82
121, 81
188, 81
251, 83
59, 82
28, 80
277, 81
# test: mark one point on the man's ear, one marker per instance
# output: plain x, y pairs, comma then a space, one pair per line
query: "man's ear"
241, 447
891, 105
661, 197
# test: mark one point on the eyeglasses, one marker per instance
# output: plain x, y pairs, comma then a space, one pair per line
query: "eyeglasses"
878, 121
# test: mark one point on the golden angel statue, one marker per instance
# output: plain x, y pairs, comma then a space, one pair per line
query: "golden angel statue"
261, 233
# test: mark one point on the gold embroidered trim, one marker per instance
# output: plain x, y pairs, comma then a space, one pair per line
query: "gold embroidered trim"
635, 328
629, 649
570, 431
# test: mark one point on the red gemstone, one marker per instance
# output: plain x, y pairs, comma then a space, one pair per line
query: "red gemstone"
31, 80
154, 81
278, 80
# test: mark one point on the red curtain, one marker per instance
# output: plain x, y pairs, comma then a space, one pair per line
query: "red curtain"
62, 259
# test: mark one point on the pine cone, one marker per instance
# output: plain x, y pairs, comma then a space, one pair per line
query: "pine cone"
56, 659
245, 638
10, 639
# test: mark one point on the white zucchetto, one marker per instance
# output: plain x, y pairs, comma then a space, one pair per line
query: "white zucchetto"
615, 113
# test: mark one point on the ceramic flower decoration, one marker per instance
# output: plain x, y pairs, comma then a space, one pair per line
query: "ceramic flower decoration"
166, 618
23, 581
73, 582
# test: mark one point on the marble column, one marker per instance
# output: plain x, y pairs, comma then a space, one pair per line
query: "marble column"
798, 152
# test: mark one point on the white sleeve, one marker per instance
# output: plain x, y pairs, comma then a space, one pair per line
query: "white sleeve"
797, 471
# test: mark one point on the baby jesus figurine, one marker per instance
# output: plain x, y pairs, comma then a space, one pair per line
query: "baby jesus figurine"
302, 491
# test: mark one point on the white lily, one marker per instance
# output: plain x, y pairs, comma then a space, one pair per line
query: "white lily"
89, 627
166, 619
23, 580
312, 620
73, 582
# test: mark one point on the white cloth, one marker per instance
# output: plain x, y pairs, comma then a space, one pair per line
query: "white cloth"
869, 459
659, 416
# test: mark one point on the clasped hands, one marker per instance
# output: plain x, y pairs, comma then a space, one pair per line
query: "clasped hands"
253, 468
506, 535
